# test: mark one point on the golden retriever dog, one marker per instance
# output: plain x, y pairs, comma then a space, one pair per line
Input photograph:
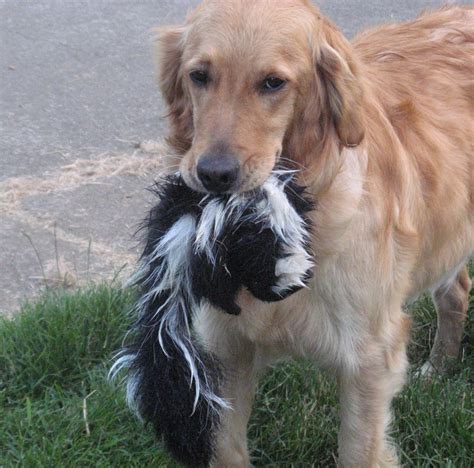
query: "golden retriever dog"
381, 130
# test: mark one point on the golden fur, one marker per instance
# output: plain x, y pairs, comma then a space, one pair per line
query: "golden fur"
382, 130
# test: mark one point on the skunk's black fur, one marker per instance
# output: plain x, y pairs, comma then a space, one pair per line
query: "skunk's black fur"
174, 383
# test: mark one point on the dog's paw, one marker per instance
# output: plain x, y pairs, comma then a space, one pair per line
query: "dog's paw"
438, 366
426, 371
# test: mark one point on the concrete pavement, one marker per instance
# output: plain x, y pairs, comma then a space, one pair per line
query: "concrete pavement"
78, 105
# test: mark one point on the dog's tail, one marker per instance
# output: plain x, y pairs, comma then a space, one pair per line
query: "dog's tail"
172, 381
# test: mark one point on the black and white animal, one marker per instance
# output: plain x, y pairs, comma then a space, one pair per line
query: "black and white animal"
203, 249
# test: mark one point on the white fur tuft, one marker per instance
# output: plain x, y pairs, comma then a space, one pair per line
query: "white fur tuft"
291, 228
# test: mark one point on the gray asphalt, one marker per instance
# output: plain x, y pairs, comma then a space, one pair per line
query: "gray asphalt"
77, 96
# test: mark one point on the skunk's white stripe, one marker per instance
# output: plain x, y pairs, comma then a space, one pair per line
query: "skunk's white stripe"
215, 216
210, 225
125, 361
174, 250
291, 228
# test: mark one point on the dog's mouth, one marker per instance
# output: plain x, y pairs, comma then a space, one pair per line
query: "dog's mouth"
245, 189
248, 182
242, 185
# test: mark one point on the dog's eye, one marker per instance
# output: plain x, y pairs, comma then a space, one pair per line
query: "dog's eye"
199, 77
272, 83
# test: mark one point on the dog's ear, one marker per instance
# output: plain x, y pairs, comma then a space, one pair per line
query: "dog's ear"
169, 51
338, 71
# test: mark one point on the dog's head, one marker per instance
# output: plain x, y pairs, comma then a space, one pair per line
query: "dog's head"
247, 81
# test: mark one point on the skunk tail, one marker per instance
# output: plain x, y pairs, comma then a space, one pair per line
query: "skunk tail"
172, 381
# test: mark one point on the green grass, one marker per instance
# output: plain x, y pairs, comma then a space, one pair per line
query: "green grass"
58, 409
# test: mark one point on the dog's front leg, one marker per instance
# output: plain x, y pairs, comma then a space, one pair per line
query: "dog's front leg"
366, 395
239, 390
241, 364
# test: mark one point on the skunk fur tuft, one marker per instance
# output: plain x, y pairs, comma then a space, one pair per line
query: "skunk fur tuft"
205, 248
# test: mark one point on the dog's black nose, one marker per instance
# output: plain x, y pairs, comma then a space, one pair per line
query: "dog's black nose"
218, 173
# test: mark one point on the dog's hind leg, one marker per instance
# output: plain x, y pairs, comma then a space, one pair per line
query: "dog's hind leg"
452, 302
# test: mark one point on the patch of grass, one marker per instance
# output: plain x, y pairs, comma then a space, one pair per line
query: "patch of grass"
53, 342
295, 419
86, 427
58, 409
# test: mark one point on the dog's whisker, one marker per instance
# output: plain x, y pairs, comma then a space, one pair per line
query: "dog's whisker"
292, 162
